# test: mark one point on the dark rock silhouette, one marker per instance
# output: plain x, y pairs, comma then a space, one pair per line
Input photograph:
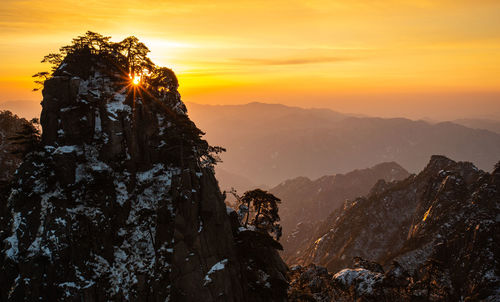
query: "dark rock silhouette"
119, 204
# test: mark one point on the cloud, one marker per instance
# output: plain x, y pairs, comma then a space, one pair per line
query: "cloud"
289, 61
213, 72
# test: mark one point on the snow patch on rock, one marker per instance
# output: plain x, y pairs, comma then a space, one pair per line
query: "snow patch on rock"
216, 267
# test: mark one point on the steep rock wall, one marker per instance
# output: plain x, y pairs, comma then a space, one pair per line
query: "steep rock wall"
118, 203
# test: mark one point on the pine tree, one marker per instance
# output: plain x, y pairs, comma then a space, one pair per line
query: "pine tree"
265, 209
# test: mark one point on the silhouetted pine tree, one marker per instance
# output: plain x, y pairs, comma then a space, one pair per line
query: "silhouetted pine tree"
265, 208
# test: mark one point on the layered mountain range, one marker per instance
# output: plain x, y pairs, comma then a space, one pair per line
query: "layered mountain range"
119, 202
269, 143
436, 234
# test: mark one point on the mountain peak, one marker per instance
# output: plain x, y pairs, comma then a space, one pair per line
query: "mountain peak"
120, 201
440, 161
438, 226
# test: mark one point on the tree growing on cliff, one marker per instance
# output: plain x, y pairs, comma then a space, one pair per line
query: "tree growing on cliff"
129, 55
263, 206
136, 54
126, 61
163, 79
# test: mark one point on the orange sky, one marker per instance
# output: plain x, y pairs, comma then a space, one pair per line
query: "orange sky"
437, 59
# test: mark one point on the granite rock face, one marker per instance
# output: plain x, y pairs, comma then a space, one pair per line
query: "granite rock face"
119, 203
306, 203
439, 229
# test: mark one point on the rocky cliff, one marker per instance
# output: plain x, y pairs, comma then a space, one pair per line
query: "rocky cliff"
305, 202
120, 202
438, 229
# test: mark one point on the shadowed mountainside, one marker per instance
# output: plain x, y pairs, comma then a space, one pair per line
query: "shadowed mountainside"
437, 228
305, 202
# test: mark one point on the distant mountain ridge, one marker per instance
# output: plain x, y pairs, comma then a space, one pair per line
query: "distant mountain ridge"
22, 108
270, 143
262, 111
487, 124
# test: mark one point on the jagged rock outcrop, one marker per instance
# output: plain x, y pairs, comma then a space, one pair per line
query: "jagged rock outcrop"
305, 202
440, 226
360, 283
119, 203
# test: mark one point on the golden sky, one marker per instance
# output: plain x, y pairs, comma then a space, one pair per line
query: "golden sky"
437, 59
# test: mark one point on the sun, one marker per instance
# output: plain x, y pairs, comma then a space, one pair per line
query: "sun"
136, 80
